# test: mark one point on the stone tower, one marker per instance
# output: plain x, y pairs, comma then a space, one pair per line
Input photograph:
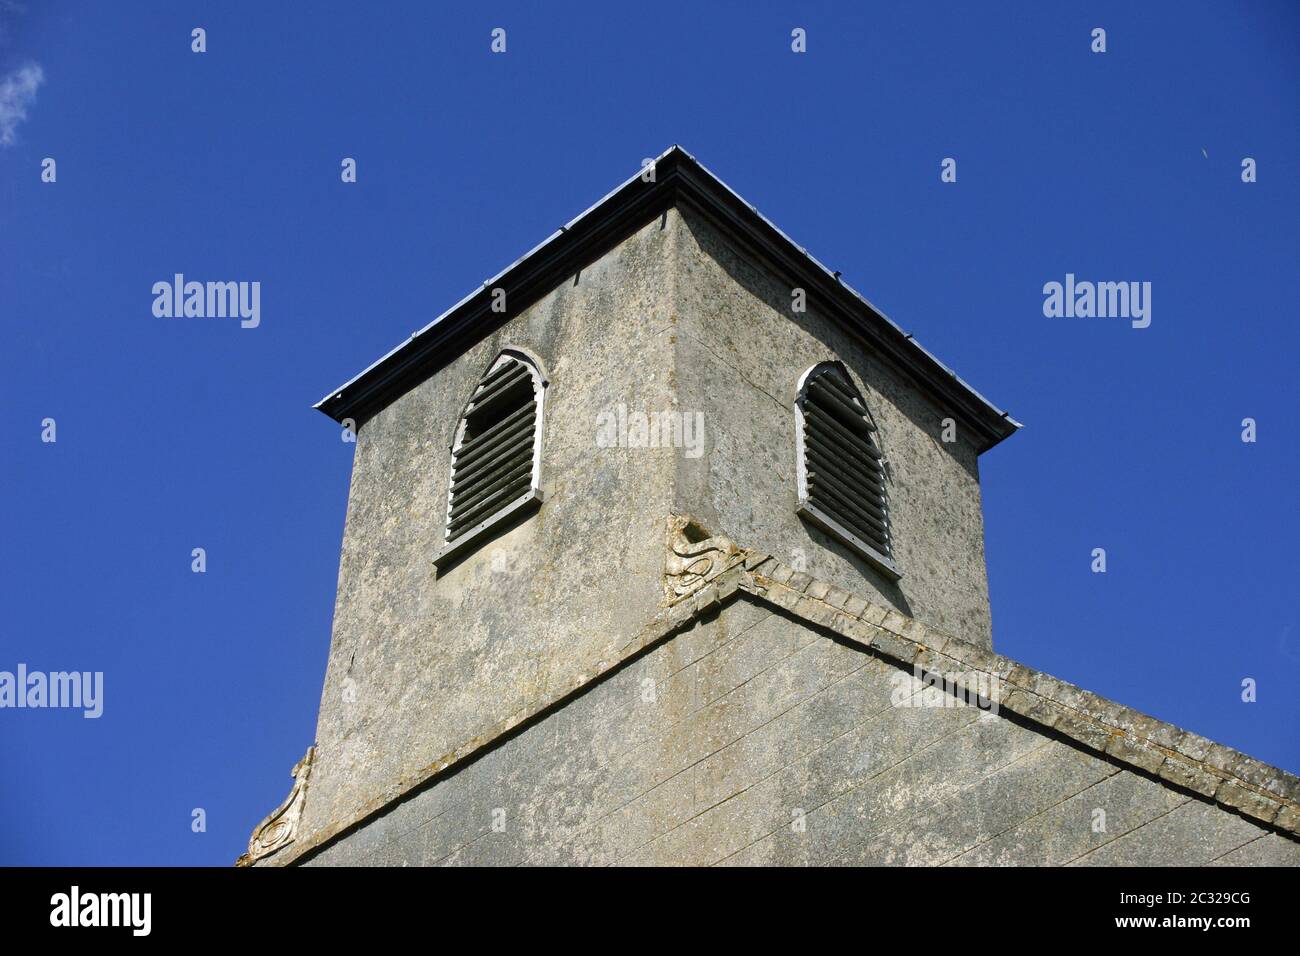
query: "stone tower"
666, 546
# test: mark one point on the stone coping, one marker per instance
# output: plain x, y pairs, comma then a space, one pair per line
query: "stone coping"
707, 572
1184, 759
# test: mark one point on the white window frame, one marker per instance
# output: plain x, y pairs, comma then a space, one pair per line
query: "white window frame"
530, 500
807, 509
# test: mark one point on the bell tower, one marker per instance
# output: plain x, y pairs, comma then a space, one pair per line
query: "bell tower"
515, 471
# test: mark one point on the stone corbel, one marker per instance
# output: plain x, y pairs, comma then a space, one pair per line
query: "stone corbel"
695, 557
280, 828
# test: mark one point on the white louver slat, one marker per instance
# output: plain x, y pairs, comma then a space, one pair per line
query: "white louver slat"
843, 468
492, 465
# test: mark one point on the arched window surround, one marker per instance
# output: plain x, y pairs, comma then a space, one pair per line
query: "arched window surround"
479, 503
825, 506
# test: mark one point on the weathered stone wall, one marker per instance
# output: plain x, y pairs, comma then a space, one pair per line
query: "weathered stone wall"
418, 666
709, 747
670, 319
741, 351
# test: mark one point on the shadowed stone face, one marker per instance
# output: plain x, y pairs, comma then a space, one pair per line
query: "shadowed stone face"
741, 351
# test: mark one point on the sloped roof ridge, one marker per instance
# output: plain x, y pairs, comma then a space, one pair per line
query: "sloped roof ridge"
1179, 757
1156, 747
1210, 770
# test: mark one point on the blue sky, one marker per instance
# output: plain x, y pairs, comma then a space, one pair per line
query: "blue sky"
175, 434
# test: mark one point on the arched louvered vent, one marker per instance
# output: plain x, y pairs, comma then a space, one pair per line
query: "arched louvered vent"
496, 454
842, 482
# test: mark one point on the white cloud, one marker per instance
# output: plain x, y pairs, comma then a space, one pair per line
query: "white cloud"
17, 92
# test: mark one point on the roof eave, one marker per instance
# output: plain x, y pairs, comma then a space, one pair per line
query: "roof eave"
678, 176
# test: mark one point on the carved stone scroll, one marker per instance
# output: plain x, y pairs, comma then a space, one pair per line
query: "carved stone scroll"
695, 557
280, 828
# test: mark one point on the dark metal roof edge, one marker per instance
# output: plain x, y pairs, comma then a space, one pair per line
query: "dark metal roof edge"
553, 257
730, 210
677, 175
